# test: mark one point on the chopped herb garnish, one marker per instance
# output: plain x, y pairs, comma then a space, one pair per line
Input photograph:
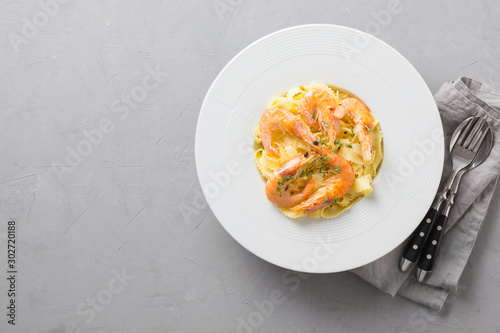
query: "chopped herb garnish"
325, 124
313, 116
335, 199
336, 169
287, 177
286, 188
278, 188
368, 128
309, 172
334, 151
348, 146
326, 199
337, 142
324, 158
322, 142
352, 134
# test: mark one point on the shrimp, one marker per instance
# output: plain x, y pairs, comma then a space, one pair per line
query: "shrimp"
279, 193
333, 188
279, 118
317, 109
363, 121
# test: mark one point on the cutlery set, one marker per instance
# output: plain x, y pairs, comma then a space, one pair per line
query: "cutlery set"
470, 145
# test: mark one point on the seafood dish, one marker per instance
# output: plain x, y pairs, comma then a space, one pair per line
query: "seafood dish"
318, 148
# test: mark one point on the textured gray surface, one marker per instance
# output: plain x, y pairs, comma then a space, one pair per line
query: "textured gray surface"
129, 203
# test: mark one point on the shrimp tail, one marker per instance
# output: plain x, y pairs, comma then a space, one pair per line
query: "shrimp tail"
309, 188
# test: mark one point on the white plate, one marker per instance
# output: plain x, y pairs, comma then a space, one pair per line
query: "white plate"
393, 90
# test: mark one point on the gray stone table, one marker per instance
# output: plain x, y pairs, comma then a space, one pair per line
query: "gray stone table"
99, 104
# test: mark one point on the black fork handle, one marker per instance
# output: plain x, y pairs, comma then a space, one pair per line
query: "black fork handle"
416, 243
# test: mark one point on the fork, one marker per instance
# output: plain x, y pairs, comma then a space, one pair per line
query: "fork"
462, 155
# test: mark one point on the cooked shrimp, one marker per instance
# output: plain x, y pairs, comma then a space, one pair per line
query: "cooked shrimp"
279, 118
278, 190
363, 123
317, 109
333, 188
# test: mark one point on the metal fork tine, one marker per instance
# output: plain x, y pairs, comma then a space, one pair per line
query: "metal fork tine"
475, 137
479, 140
474, 132
465, 132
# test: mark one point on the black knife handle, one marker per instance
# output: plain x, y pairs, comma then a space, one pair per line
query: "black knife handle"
433, 244
416, 244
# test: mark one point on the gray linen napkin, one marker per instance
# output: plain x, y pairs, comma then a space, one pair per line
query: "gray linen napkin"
456, 101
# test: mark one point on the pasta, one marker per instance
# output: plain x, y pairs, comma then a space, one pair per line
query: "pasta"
347, 145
